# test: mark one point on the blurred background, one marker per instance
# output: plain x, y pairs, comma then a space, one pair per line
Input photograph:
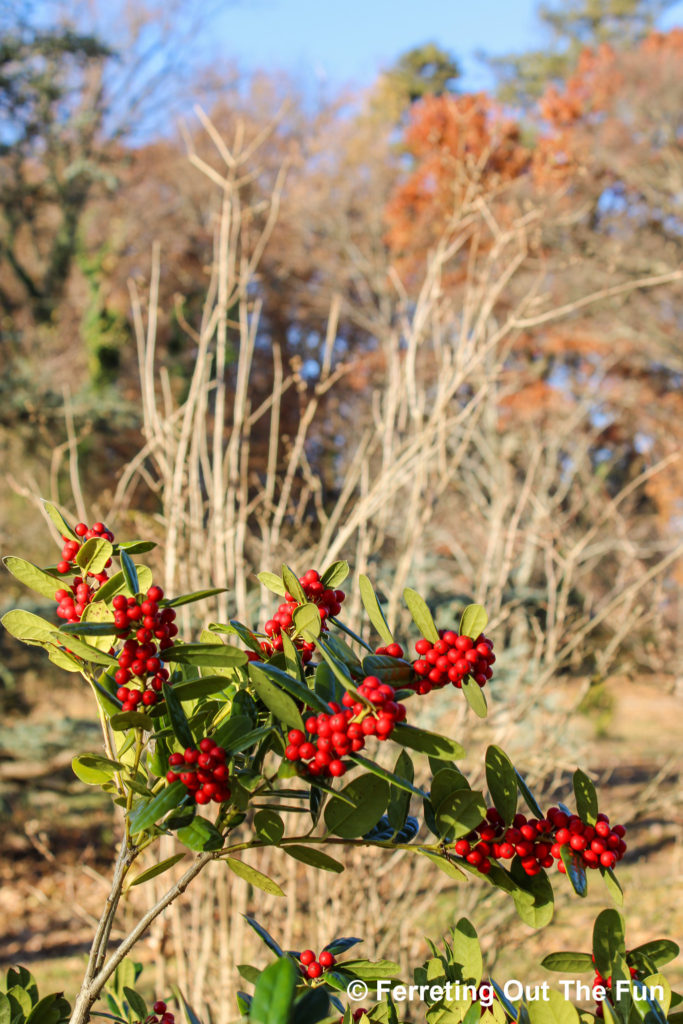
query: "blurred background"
402, 285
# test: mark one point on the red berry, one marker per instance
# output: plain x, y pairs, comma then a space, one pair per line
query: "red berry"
326, 959
307, 957
314, 970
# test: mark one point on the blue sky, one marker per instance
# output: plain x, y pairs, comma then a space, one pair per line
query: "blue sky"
348, 41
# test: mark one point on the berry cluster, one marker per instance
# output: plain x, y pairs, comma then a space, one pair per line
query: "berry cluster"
451, 659
312, 968
344, 731
145, 629
597, 845
72, 547
204, 772
72, 603
160, 1015
538, 842
328, 602
605, 983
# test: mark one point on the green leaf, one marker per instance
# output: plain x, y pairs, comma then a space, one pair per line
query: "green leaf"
394, 671
274, 993
339, 670
291, 582
608, 940
131, 720
460, 812
475, 697
200, 835
314, 857
156, 869
147, 814
129, 572
5, 1009
254, 877
89, 629
307, 621
273, 583
533, 897
652, 955
94, 769
216, 655
31, 576
613, 886
528, 796
83, 650
294, 687
59, 521
137, 547
49, 1010
473, 621
384, 773
334, 575
263, 934
586, 798
399, 799
502, 783
198, 595
66, 662
374, 609
555, 1009
372, 970
422, 617
117, 584
28, 628
179, 722
570, 963
204, 687
368, 795
136, 1002
293, 662
430, 743
281, 704
576, 872
93, 556
269, 826
467, 951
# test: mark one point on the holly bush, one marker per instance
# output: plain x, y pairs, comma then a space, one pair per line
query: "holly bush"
212, 740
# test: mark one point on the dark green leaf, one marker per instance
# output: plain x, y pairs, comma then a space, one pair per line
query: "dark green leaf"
200, 835
575, 870
204, 687
280, 703
334, 575
294, 687
399, 799
473, 621
198, 595
653, 954
265, 935
502, 782
179, 722
269, 826
533, 896
129, 572
374, 609
529, 797
83, 649
372, 970
422, 617
148, 813
384, 773
608, 940
341, 944
117, 584
314, 857
475, 697
613, 886
368, 795
136, 1002
586, 798
89, 629
274, 993
31, 576
460, 812
137, 547
253, 877
131, 720
427, 742
394, 671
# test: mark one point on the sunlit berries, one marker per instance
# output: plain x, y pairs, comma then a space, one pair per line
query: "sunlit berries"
202, 771
330, 737
327, 601
160, 1016
312, 967
451, 659
146, 629
596, 846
